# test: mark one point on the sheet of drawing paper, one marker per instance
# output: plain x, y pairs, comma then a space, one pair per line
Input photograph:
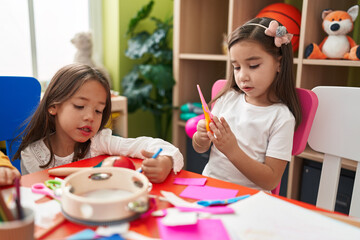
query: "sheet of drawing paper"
265, 217
28, 198
190, 181
178, 201
208, 193
113, 229
205, 229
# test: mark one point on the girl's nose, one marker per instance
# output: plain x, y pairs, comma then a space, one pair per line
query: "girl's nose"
243, 75
89, 115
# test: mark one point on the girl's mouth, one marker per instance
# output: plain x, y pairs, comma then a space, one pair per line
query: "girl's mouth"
85, 130
246, 89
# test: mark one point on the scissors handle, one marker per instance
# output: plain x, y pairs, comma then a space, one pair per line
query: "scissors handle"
41, 188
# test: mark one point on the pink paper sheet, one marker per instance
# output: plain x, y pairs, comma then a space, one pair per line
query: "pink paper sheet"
190, 181
212, 210
205, 229
208, 193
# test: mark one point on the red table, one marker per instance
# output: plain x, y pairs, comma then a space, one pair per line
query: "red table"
146, 225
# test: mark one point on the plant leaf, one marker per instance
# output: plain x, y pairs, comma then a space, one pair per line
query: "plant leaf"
140, 15
138, 46
136, 91
159, 74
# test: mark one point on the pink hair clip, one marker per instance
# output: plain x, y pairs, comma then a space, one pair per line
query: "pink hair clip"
279, 33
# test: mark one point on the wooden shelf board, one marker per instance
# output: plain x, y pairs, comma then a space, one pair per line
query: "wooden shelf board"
328, 62
181, 123
207, 57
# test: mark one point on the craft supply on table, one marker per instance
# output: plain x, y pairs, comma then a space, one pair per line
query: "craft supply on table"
41, 188
153, 156
81, 201
207, 203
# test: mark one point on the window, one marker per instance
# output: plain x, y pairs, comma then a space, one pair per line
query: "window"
35, 35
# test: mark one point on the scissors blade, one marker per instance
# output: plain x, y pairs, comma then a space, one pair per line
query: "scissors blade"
203, 102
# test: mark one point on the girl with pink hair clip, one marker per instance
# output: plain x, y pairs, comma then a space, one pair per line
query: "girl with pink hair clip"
257, 112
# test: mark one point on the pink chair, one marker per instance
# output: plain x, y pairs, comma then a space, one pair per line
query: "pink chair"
309, 103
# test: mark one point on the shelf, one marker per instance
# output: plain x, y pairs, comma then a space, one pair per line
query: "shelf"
328, 62
206, 57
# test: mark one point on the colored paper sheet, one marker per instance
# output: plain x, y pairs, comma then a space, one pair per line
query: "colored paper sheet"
212, 210
208, 193
190, 181
205, 229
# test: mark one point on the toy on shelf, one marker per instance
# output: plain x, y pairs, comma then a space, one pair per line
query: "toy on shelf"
84, 45
190, 110
287, 15
337, 45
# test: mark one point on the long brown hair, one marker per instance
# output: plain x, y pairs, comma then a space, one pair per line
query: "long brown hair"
283, 85
65, 83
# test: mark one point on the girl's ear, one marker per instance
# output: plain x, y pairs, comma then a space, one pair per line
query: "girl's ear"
52, 110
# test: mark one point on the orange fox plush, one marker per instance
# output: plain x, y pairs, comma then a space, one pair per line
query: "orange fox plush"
337, 45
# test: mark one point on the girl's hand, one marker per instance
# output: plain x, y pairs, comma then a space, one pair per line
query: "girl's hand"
222, 137
156, 170
201, 131
7, 175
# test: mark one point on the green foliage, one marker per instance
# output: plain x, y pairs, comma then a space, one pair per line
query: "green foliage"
148, 86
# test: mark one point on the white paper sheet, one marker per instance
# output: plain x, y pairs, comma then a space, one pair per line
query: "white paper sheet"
262, 216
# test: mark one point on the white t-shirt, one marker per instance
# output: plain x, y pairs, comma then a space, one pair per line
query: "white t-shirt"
260, 132
102, 143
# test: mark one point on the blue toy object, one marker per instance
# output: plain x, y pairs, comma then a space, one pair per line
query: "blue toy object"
192, 108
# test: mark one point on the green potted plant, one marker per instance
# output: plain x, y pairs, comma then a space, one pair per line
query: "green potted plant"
149, 84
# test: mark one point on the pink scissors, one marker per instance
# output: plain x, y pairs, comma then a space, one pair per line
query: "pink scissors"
41, 188
207, 113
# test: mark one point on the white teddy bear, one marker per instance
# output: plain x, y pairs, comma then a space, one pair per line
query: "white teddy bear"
83, 42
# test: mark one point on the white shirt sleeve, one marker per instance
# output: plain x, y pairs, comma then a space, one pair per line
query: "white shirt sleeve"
105, 143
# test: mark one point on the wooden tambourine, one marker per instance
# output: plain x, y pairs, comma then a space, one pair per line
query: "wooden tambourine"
106, 195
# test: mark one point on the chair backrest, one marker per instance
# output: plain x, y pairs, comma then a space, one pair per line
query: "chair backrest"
309, 104
19, 98
336, 133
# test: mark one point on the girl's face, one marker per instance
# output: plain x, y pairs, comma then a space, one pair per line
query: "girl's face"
254, 71
79, 118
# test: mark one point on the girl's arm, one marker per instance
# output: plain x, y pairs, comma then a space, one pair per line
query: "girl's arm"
105, 143
266, 175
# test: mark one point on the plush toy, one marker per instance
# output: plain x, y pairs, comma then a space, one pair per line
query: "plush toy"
83, 43
337, 45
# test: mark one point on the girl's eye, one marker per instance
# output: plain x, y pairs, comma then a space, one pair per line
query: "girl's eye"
78, 107
98, 112
236, 68
254, 66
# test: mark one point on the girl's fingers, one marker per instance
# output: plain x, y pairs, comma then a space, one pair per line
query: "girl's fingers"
225, 125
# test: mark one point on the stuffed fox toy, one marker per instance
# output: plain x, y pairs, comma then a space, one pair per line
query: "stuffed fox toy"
337, 45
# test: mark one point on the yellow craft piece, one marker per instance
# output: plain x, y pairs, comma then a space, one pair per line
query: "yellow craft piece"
207, 119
